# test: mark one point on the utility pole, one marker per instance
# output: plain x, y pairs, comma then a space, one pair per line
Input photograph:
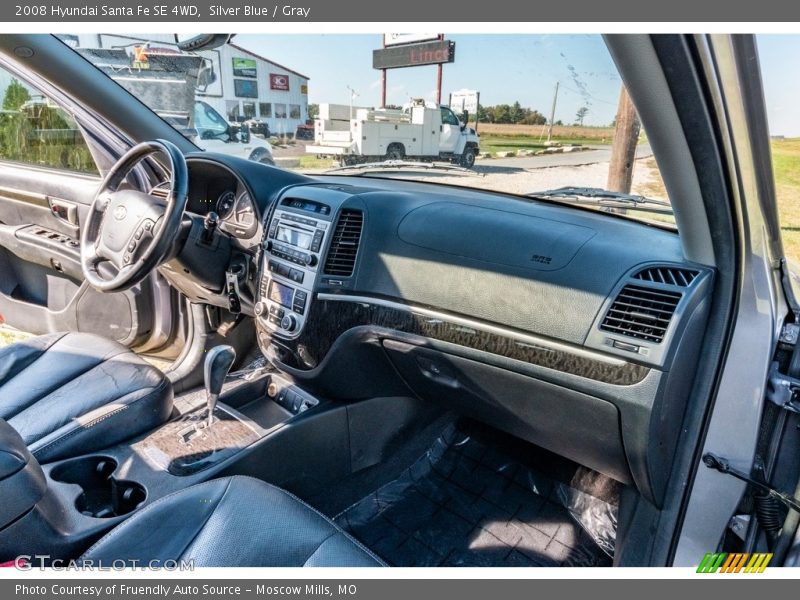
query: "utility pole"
552, 114
439, 79
353, 95
623, 149
383, 80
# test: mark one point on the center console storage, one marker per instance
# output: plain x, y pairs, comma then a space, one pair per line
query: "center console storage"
102, 494
61, 508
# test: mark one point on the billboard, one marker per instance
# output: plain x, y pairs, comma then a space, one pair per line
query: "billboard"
397, 39
414, 55
244, 67
462, 100
279, 81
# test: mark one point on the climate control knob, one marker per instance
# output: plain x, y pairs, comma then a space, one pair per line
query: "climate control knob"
260, 309
289, 323
310, 260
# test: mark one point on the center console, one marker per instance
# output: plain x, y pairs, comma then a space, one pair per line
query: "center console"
292, 254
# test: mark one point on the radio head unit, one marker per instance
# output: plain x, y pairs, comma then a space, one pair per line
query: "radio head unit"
291, 257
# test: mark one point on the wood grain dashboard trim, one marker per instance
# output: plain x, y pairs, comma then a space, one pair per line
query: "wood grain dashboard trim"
331, 315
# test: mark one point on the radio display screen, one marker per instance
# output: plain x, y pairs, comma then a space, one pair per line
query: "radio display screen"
293, 237
282, 294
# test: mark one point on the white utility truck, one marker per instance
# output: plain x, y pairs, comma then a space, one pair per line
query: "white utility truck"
418, 131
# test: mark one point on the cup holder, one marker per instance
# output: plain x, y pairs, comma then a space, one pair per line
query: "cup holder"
102, 496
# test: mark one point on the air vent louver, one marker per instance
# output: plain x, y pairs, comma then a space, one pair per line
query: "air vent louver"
668, 275
642, 313
344, 246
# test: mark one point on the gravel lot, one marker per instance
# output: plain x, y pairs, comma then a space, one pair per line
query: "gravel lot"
524, 181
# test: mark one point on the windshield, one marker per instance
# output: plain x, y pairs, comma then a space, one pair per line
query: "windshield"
527, 115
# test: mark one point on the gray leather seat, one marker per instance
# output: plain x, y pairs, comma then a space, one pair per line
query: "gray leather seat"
72, 393
231, 522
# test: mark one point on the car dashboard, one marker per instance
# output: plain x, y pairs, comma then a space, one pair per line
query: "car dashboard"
568, 328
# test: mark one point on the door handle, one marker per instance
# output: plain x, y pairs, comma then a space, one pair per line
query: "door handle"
63, 209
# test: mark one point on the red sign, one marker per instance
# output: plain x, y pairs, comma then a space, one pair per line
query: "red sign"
414, 55
278, 82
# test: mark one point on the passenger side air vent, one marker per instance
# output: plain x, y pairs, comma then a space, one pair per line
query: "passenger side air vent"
344, 245
668, 275
642, 313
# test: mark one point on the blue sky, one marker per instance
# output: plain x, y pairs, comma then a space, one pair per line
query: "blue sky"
504, 68
780, 63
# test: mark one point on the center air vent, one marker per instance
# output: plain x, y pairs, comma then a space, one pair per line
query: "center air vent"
676, 276
344, 245
642, 313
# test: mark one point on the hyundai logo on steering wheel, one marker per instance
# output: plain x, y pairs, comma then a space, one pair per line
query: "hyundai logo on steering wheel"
120, 212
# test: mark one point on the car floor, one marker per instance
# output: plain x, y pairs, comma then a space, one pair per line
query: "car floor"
478, 497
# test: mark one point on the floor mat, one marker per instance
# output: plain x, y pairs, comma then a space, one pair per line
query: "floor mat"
468, 503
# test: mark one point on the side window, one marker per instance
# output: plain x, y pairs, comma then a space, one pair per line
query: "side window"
208, 120
36, 131
448, 118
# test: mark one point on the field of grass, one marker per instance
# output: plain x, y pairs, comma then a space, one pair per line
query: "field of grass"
310, 161
786, 163
574, 134
512, 138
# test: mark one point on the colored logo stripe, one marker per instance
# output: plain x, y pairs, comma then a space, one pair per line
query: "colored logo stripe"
734, 562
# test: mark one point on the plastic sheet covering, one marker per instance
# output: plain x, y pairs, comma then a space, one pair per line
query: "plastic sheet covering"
467, 503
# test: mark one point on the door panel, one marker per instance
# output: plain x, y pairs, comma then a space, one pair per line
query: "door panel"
41, 285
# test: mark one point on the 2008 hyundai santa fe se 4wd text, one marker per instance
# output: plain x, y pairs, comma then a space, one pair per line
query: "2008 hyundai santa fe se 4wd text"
267, 305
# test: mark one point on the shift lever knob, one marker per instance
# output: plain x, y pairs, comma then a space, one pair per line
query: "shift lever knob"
219, 361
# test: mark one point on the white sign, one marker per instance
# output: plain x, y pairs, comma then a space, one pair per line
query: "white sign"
398, 39
465, 100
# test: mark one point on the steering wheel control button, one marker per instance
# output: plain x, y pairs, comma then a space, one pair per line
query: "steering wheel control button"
148, 225
139, 232
127, 258
132, 246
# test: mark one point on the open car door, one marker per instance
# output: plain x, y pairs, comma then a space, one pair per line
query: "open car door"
48, 178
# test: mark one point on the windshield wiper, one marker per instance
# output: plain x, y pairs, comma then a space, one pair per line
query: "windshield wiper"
405, 165
604, 198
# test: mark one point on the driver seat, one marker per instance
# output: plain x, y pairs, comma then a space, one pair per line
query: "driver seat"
71, 393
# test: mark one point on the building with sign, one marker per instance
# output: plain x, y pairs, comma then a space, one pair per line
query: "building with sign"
238, 83
250, 86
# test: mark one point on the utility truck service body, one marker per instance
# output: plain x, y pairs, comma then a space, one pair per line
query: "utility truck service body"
417, 131
166, 80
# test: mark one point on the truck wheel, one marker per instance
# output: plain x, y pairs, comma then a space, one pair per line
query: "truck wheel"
468, 158
395, 152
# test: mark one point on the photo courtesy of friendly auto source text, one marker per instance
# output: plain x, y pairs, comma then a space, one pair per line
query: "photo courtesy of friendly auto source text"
336, 301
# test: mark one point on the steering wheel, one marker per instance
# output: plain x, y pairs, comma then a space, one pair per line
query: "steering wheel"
128, 233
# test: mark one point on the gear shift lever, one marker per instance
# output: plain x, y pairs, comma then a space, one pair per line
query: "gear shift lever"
219, 361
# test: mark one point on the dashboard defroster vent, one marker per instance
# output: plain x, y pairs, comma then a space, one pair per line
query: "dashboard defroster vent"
642, 313
344, 245
676, 276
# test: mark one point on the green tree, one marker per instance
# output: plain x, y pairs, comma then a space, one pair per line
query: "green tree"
16, 95
581, 115
516, 113
534, 117
502, 113
313, 111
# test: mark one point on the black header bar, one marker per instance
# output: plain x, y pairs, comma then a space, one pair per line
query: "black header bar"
386, 12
